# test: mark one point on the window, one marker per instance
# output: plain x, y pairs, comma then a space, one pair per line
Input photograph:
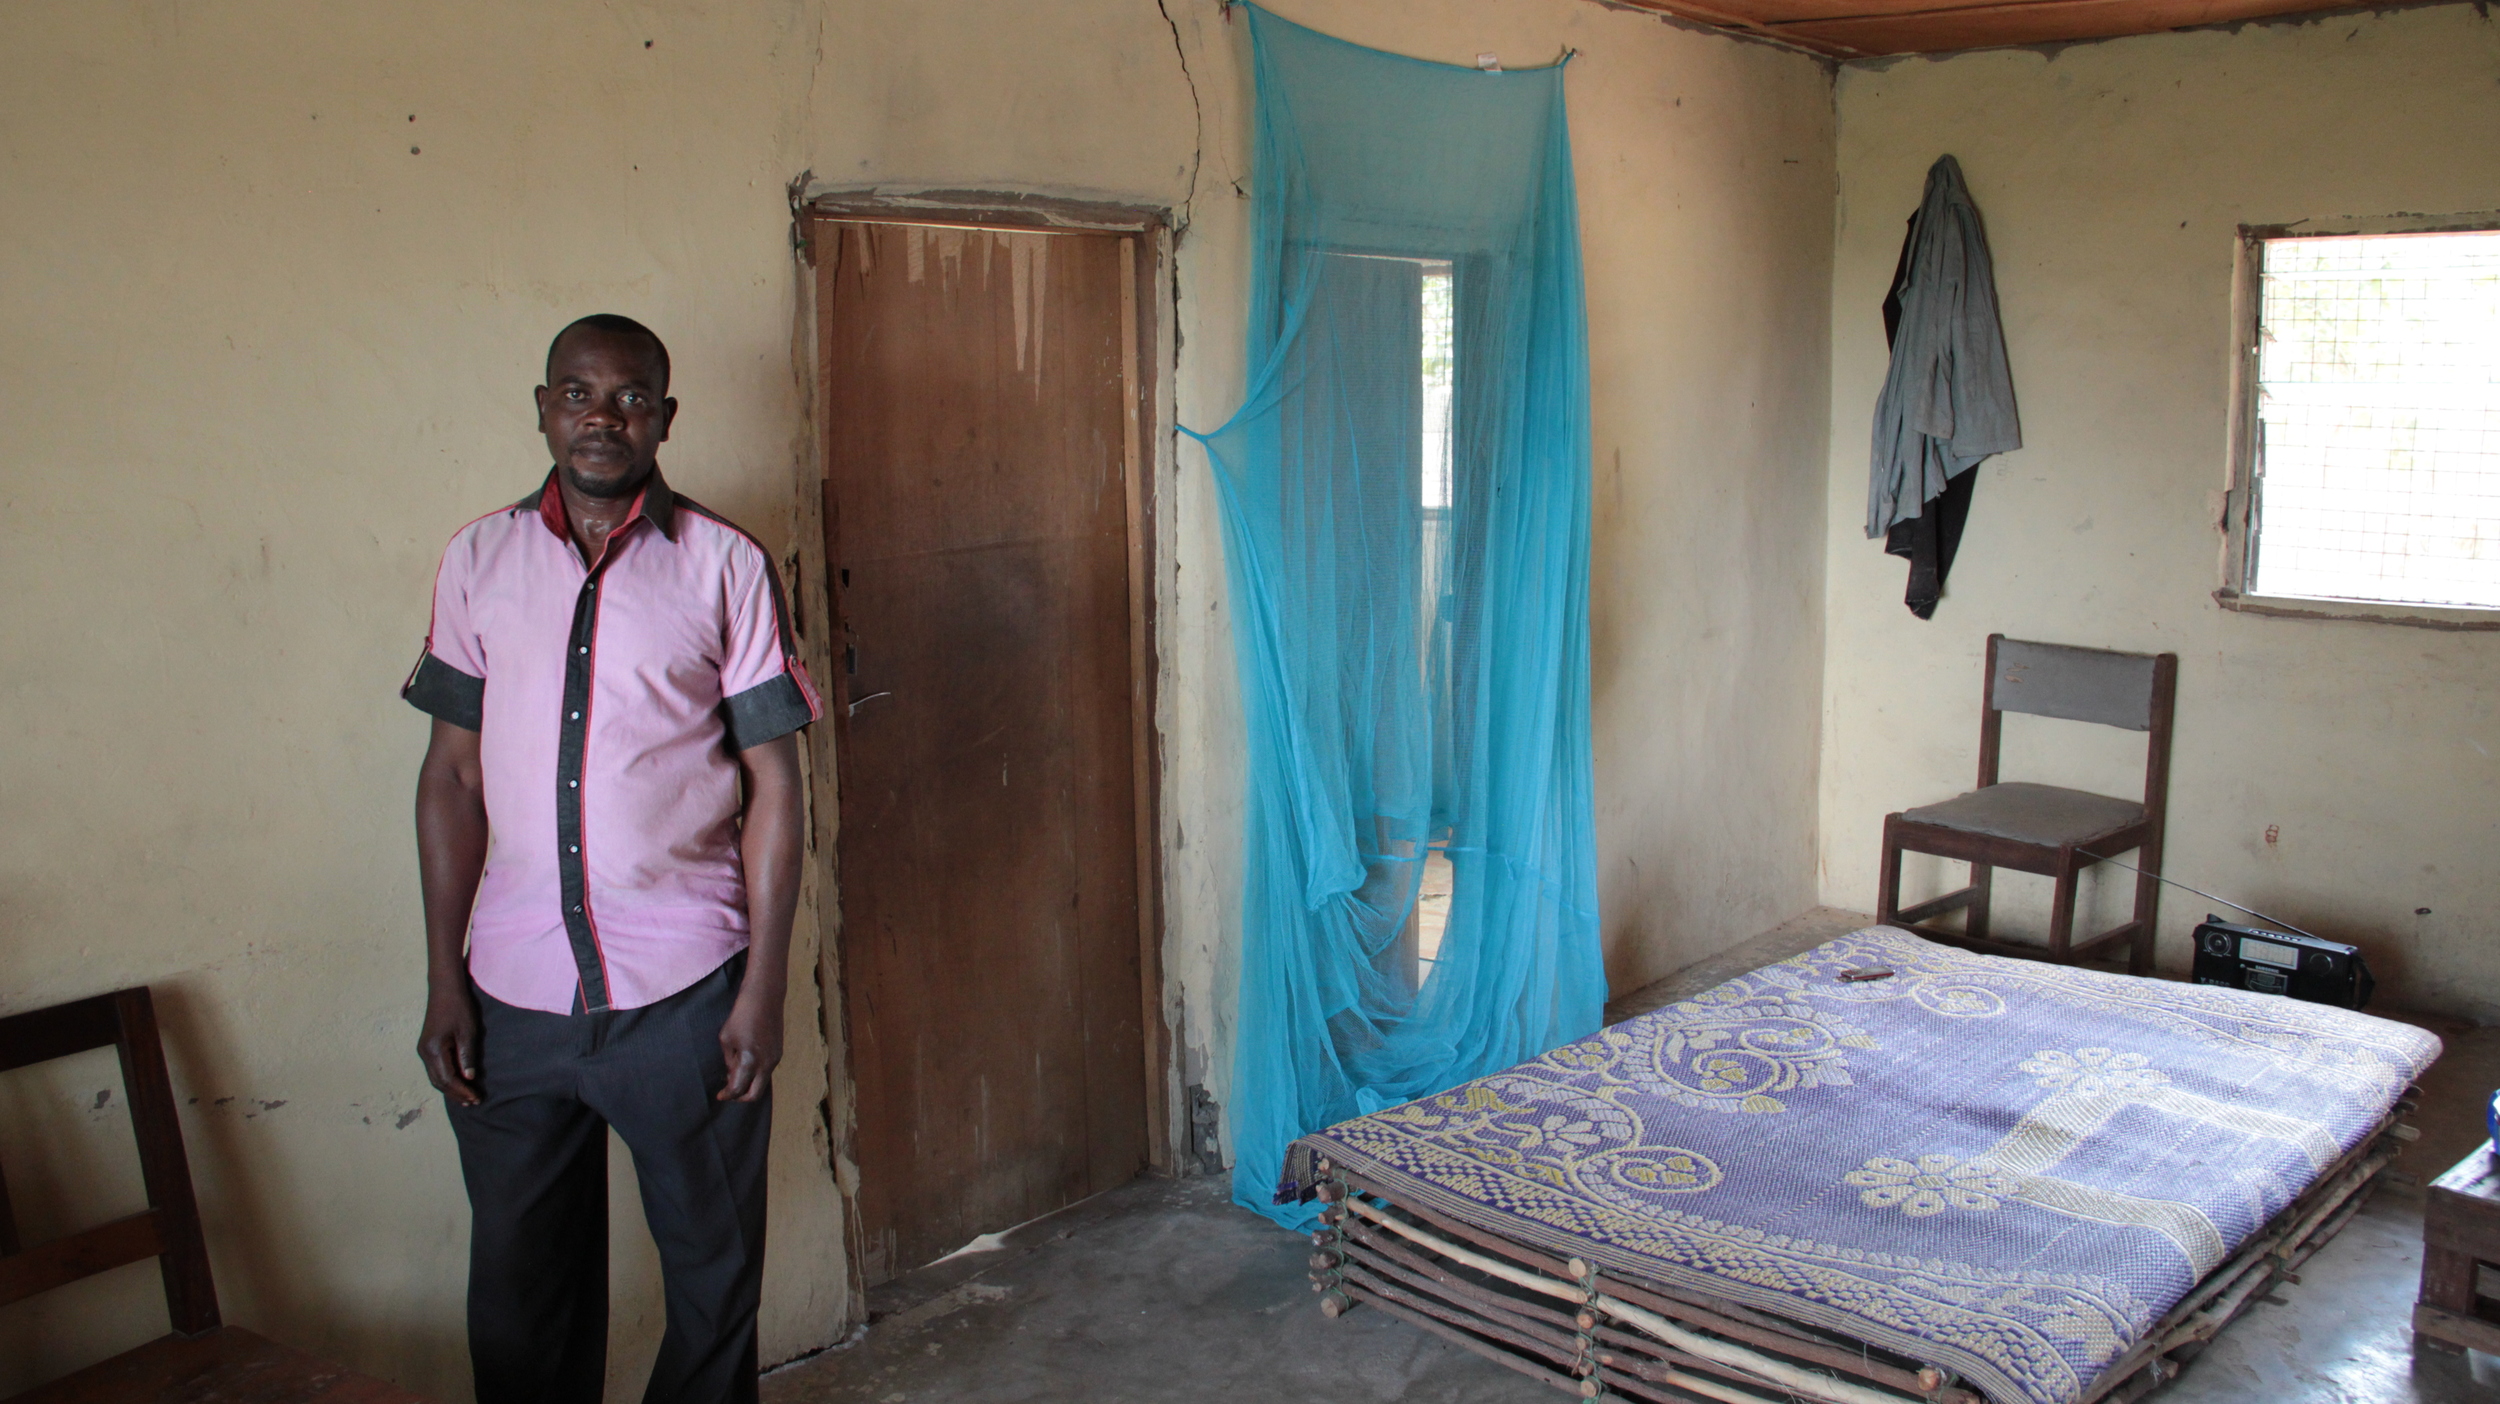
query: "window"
1439, 380
1440, 343
2370, 435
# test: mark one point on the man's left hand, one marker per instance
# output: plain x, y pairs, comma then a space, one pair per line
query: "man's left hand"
750, 1043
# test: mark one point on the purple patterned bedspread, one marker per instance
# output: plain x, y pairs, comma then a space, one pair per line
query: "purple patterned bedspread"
2004, 1168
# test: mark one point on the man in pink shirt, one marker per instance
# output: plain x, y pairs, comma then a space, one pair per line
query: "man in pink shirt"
608, 828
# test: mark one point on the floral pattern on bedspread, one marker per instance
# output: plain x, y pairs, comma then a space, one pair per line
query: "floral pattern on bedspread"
2005, 1168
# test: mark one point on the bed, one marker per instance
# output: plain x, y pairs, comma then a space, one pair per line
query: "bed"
1885, 1169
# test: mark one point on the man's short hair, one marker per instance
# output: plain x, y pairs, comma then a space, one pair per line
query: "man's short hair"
616, 325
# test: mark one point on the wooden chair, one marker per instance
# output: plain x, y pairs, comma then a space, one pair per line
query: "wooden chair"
203, 1359
2046, 829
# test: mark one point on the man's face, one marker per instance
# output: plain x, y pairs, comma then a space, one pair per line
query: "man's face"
603, 412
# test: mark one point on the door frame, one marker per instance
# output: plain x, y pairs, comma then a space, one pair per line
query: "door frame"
1147, 479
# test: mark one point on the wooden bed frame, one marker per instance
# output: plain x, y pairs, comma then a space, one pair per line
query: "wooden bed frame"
1600, 1333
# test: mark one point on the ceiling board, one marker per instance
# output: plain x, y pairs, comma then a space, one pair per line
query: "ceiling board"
1871, 28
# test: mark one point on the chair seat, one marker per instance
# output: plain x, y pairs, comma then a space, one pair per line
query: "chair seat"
2047, 815
228, 1363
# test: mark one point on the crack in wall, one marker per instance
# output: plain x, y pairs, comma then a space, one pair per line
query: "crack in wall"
1198, 117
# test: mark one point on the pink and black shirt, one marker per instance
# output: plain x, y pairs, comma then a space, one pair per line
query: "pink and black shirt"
609, 700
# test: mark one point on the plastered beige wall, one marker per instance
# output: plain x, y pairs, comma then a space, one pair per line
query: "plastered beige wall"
1705, 207
269, 341
2112, 177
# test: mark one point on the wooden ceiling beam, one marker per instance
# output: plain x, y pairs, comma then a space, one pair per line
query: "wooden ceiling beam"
1978, 26
1729, 18
1874, 28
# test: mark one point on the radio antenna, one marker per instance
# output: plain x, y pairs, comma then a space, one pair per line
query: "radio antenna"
2252, 911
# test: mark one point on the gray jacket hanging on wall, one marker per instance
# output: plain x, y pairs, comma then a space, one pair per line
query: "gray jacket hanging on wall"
1948, 398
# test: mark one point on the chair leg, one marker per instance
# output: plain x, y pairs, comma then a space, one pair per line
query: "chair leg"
1982, 878
2147, 910
1888, 875
2062, 906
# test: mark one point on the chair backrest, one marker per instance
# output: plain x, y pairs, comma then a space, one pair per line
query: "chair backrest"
169, 1230
2078, 684
2134, 691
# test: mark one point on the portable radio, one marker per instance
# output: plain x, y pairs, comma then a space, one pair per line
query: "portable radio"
2281, 963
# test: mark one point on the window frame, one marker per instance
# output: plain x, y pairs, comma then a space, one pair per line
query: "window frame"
2237, 523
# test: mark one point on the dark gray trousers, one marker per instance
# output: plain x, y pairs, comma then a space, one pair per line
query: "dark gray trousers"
535, 1154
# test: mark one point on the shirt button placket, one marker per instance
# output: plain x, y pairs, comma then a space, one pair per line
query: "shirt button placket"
574, 756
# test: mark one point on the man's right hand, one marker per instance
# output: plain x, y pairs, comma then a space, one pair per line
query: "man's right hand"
448, 1046
451, 853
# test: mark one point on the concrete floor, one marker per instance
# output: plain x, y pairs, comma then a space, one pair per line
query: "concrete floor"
1164, 1291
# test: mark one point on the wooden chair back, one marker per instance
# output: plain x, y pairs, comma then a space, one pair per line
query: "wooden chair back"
2132, 691
169, 1230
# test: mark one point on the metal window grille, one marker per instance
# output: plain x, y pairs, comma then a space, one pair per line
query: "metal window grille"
2378, 418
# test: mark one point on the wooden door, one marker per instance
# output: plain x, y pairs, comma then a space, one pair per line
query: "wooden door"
981, 479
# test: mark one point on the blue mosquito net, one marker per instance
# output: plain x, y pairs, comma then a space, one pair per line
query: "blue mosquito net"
1406, 530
